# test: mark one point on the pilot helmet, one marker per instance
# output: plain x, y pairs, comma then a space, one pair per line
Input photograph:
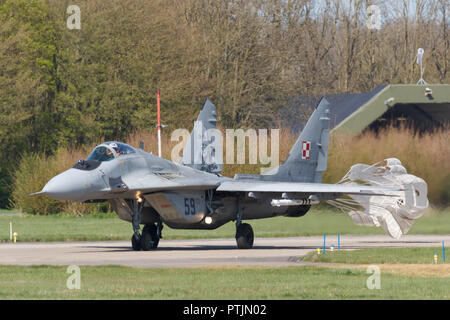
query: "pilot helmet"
115, 147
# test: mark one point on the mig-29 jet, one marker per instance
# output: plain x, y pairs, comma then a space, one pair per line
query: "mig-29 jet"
147, 190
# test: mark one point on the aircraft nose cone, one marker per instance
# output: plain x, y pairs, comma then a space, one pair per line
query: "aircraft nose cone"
69, 185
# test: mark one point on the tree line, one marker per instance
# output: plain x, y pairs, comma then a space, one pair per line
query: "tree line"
61, 87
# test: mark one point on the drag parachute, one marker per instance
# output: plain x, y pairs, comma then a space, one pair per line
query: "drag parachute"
395, 211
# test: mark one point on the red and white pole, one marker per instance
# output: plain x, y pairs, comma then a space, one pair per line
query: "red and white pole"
159, 123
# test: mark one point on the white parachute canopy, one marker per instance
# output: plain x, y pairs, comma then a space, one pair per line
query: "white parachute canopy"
395, 211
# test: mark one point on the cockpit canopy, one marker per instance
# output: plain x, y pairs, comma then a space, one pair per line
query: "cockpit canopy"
110, 150
101, 153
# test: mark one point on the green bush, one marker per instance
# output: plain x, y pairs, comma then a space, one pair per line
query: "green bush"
31, 175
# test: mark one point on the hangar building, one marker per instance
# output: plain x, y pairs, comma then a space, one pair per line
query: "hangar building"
424, 107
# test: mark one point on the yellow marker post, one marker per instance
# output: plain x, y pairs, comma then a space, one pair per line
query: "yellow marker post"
318, 250
435, 258
15, 236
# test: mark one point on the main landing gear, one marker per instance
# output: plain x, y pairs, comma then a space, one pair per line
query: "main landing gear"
244, 231
151, 233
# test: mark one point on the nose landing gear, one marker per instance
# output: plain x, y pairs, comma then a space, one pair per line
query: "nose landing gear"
136, 242
150, 236
151, 233
149, 239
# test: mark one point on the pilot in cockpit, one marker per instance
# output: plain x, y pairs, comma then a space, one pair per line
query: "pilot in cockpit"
116, 148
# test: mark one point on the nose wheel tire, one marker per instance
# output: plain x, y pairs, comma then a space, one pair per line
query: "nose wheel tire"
135, 243
149, 238
244, 236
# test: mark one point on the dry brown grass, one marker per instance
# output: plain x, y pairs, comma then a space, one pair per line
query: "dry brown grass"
426, 156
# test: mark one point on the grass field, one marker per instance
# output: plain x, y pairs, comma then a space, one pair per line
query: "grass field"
310, 282
109, 227
416, 262
406, 273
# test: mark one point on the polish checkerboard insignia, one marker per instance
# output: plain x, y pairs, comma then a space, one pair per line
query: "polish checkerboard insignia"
306, 149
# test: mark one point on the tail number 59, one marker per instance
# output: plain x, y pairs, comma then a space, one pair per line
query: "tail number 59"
189, 206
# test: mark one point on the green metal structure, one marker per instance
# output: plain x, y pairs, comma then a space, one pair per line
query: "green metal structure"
427, 106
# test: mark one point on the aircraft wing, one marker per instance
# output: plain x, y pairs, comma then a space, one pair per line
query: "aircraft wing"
302, 187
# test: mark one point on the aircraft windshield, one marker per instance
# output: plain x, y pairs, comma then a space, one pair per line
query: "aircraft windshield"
101, 154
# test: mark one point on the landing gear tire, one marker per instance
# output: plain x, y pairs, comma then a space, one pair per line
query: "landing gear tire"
244, 236
149, 238
135, 243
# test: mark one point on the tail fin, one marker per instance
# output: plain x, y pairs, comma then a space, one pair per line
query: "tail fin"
204, 148
308, 157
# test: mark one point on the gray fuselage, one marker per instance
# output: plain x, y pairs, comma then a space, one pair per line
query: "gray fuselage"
177, 195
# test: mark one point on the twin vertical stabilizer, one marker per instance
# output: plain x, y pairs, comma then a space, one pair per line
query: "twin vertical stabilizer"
203, 150
308, 157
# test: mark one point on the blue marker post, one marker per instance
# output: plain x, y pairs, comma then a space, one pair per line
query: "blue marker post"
339, 242
443, 251
324, 243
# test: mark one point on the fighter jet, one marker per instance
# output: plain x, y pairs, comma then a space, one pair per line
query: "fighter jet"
150, 191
